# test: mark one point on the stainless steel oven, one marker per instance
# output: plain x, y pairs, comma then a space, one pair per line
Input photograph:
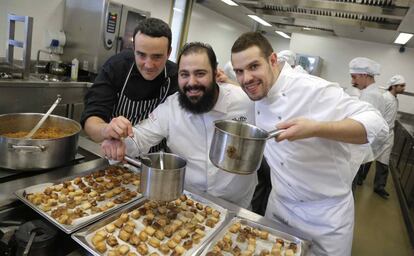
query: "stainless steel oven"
97, 29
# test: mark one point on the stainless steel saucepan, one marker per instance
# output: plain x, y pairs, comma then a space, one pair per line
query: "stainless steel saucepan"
237, 147
162, 175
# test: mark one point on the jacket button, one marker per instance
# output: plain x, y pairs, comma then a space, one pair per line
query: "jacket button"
258, 112
280, 118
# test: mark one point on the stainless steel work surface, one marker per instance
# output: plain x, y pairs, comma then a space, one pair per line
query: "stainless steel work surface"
74, 202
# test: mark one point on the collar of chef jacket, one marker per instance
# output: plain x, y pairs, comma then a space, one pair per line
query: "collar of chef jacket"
278, 88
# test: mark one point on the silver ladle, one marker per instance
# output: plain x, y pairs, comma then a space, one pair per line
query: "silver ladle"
43, 119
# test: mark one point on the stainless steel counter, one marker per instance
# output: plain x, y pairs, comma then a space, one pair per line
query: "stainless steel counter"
7, 188
36, 96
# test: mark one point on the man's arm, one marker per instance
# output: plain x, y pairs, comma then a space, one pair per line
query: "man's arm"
99, 130
347, 130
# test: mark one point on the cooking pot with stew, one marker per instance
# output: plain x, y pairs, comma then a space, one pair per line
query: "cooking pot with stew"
53, 145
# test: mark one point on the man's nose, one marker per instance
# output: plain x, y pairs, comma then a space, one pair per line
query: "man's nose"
247, 77
192, 80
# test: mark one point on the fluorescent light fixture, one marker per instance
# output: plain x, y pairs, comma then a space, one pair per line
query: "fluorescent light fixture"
229, 2
260, 20
282, 34
403, 38
306, 28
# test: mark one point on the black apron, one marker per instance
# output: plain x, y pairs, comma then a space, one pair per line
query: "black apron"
137, 110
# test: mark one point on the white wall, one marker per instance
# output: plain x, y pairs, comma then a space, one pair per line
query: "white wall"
48, 15
221, 32
337, 52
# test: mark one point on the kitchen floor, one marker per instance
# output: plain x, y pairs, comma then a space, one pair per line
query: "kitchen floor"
379, 224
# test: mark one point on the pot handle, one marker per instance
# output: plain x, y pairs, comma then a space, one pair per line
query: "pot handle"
28, 148
275, 133
133, 161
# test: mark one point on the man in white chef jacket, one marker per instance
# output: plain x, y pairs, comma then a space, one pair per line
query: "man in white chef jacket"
310, 163
186, 120
363, 72
396, 85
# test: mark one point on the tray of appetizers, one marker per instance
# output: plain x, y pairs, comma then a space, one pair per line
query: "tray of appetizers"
74, 202
179, 227
245, 237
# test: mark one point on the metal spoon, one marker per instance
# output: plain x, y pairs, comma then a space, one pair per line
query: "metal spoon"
43, 119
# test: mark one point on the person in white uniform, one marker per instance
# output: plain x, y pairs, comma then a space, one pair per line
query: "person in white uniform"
186, 119
363, 72
289, 57
310, 163
396, 85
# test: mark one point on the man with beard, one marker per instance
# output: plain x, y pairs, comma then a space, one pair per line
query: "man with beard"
310, 162
186, 120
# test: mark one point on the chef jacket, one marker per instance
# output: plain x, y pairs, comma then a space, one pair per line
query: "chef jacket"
390, 114
189, 135
373, 94
313, 168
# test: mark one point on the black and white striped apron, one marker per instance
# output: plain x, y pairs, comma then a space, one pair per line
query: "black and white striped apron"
138, 110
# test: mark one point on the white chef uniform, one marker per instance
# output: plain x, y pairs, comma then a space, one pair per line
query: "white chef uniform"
373, 94
312, 177
189, 135
390, 114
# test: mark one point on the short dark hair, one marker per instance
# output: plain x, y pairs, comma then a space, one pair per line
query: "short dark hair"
154, 27
198, 47
250, 39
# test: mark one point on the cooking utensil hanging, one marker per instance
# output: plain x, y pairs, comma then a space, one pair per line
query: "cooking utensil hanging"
43, 119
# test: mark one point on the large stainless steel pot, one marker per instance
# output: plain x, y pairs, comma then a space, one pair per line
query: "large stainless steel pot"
237, 147
35, 154
165, 184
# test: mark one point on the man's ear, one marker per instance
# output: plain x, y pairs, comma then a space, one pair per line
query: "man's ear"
273, 59
169, 52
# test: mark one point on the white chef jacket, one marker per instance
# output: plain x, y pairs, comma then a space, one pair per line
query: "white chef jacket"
298, 68
373, 94
189, 135
311, 178
390, 114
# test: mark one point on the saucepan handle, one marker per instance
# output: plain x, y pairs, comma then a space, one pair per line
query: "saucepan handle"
275, 133
132, 161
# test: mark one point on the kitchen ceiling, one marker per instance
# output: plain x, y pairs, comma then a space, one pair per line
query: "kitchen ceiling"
369, 20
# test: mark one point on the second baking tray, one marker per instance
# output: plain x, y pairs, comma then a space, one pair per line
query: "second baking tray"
83, 221
302, 246
84, 237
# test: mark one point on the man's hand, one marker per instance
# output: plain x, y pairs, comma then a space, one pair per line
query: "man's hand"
298, 128
118, 128
114, 149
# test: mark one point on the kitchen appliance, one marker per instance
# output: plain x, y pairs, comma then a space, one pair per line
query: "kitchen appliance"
237, 147
98, 29
35, 154
312, 64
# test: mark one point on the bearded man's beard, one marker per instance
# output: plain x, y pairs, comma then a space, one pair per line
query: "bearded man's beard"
202, 104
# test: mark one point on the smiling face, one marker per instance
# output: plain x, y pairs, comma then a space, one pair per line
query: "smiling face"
255, 73
198, 90
151, 54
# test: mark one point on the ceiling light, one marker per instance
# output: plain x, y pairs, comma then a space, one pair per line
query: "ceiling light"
260, 20
283, 34
229, 2
403, 38
306, 28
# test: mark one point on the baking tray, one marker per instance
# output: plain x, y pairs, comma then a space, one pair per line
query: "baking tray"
83, 221
302, 245
84, 236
